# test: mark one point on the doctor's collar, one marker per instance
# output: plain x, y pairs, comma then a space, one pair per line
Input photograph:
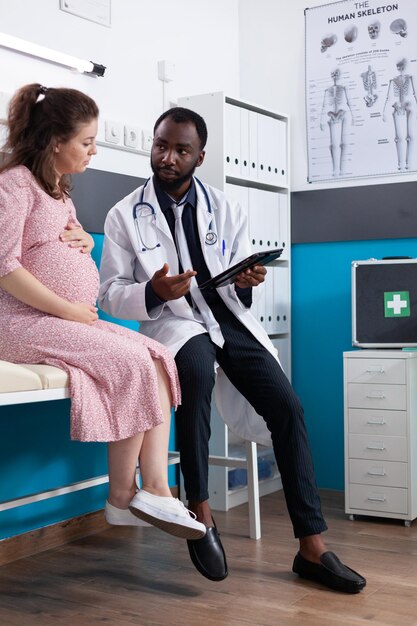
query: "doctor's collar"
165, 201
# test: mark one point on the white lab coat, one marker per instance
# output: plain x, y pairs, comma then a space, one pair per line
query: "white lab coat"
126, 268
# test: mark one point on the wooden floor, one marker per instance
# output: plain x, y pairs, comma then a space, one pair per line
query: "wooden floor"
127, 576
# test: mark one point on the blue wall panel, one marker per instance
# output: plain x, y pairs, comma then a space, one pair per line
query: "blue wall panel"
321, 332
36, 453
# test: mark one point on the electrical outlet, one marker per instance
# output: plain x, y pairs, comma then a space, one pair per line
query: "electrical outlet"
166, 71
113, 132
132, 134
4, 103
101, 133
147, 140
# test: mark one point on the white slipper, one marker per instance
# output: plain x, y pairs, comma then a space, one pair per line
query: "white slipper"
168, 514
121, 517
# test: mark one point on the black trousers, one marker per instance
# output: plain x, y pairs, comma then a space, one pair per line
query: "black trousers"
260, 379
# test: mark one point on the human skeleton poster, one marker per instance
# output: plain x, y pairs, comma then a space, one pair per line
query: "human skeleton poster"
361, 80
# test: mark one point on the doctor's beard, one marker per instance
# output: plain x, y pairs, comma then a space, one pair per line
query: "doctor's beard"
175, 183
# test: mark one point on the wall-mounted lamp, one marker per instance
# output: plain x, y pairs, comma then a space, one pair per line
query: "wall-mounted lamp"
20, 45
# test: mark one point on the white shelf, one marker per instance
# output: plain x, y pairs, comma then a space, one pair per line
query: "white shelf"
255, 184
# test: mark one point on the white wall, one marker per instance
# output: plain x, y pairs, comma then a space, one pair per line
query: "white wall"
272, 73
202, 39
254, 50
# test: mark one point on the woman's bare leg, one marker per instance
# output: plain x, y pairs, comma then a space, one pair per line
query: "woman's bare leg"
122, 461
153, 457
152, 449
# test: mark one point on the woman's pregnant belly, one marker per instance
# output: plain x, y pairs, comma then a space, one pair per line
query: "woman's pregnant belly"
66, 271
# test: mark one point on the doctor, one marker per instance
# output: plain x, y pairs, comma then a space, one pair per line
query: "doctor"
161, 241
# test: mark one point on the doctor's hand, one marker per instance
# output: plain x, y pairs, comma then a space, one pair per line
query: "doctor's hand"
171, 287
251, 277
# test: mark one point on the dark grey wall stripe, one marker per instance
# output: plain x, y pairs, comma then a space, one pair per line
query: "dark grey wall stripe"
95, 192
355, 213
318, 215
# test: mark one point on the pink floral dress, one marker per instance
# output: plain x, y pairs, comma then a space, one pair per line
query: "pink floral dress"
112, 378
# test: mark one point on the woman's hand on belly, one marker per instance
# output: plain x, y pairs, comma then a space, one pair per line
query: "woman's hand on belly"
76, 237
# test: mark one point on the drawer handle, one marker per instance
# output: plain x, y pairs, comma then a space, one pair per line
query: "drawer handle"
380, 422
375, 370
377, 498
376, 396
381, 473
377, 446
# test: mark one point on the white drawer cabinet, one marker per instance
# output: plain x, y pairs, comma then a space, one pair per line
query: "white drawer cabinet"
380, 399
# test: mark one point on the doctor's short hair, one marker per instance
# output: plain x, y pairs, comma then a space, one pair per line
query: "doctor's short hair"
180, 115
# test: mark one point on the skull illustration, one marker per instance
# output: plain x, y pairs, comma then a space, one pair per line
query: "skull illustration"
399, 27
327, 41
351, 33
401, 65
373, 29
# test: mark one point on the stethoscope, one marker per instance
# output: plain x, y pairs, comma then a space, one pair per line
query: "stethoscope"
143, 209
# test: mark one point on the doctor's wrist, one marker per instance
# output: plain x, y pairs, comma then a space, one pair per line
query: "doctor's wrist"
151, 299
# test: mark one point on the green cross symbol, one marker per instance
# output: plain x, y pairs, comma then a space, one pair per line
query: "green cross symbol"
397, 303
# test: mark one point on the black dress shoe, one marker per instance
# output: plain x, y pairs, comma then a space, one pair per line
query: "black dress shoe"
330, 572
208, 556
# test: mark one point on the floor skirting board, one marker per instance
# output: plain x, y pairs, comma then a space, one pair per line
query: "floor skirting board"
53, 536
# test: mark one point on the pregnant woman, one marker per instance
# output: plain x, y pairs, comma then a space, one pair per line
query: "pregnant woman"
122, 384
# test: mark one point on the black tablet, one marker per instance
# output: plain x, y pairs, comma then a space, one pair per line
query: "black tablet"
226, 277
